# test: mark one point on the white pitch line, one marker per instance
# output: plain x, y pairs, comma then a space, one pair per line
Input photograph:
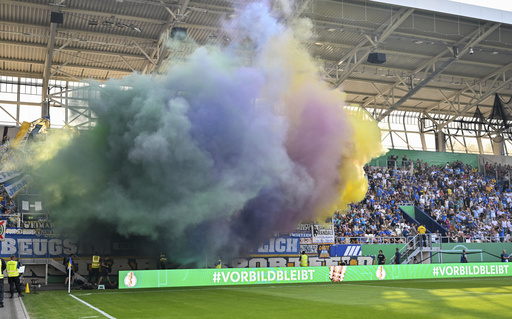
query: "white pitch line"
92, 307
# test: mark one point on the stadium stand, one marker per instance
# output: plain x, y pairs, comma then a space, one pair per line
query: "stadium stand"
470, 206
9, 210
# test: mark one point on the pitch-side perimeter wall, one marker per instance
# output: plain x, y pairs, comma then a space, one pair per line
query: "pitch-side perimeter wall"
477, 252
288, 275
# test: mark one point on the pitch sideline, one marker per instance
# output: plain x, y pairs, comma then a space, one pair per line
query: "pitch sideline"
92, 307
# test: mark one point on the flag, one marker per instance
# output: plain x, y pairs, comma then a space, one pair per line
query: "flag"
21, 133
70, 264
7, 175
14, 186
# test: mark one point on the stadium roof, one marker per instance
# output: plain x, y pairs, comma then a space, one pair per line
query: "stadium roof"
435, 62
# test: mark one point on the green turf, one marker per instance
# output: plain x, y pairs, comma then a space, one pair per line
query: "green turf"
454, 298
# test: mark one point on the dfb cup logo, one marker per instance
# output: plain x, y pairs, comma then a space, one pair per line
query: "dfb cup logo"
381, 273
130, 280
337, 273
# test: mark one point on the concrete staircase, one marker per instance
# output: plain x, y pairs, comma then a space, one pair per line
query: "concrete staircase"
418, 250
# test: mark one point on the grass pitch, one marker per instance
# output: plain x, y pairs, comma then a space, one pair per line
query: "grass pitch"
452, 298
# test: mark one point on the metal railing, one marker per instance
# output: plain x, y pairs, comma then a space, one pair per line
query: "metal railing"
435, 239
373, 240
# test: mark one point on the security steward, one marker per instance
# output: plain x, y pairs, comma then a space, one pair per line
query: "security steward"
163, 261
13, 276
422, 230
304, 259
95, 268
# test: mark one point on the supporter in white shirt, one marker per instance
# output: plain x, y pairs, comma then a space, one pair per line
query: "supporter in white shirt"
437, 212
434, 238
493, 213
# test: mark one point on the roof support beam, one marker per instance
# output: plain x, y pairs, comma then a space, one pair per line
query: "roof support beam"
483, 97
386, 29
75, 66
48, 62
65, 63
76, 78
162, 50
301, 9
476, 37
347, 27
494, 75
65, 34
168, 10
126, 62
63, 46
145, 54
65, 9
68, 49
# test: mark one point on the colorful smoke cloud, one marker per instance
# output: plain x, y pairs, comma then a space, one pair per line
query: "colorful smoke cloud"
216, 154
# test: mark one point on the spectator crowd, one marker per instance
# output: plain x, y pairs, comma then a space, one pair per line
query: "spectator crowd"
470, 206
8, 209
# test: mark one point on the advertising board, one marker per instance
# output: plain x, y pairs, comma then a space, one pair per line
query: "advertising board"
287, 275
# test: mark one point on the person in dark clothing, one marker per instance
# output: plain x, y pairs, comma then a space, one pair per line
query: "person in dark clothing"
381, 258
106, 268
398, 255
2, 268
504, 256
463, 257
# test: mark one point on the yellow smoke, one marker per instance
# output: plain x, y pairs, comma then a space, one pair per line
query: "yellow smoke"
293, 71
47, 147
366, 144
